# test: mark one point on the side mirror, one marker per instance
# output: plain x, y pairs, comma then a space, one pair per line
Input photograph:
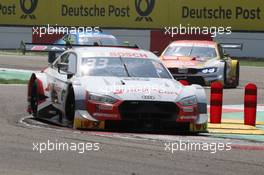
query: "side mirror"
226, 55
62, 67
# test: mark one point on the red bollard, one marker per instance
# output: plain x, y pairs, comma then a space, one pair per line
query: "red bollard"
184, 82
250, 104
216, 102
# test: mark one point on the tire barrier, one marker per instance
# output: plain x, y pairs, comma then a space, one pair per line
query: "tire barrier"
216, 102
250, 104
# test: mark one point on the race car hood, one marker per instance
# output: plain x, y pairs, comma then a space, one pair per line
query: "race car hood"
187, 62
141, 89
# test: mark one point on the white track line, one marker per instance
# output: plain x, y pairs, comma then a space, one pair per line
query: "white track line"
18, 85
22, 121
95, 133
241, 107
25, 123
254, 67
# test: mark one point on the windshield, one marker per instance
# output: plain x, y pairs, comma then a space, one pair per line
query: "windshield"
191, 51
107, 41
123, 67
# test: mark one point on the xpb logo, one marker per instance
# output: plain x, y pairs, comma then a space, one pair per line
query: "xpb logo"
144, 13
28, 9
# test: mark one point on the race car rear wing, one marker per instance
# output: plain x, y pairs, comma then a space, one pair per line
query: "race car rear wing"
30, 47
232, 46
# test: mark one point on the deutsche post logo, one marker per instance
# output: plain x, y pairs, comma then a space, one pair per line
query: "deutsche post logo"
28, 10
144, 13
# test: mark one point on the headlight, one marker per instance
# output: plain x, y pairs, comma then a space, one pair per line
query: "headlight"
100, 98
209, 70
188, 101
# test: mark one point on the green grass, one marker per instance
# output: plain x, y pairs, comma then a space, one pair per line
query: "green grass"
256, 63
13, 81
19, 52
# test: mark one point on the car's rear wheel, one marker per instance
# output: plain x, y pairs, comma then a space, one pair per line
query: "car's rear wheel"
225, 76
237, 74
34, 99
236, 83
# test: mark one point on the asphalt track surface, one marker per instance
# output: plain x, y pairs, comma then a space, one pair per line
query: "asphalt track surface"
119, 153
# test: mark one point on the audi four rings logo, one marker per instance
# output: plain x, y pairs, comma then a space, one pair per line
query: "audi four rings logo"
28, 10
148, 97
144, 13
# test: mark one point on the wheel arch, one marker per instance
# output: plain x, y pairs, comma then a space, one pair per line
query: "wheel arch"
40, 88
79, 97
202, 106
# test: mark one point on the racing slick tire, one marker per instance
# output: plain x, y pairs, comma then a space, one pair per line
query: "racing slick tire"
236, 83
225, 76
70, 105
237, 74
34, 99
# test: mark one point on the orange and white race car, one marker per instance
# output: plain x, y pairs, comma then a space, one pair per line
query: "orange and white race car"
202, 62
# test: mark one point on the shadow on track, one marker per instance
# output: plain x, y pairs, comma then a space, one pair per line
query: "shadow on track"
178, 129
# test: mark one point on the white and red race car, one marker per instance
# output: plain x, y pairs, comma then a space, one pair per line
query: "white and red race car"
96, 87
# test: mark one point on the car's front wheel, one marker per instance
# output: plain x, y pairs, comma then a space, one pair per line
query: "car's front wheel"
225, 76
70, 105
34, 99
234, 80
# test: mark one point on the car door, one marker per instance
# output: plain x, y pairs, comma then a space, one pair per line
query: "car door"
63, 78
58, 80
